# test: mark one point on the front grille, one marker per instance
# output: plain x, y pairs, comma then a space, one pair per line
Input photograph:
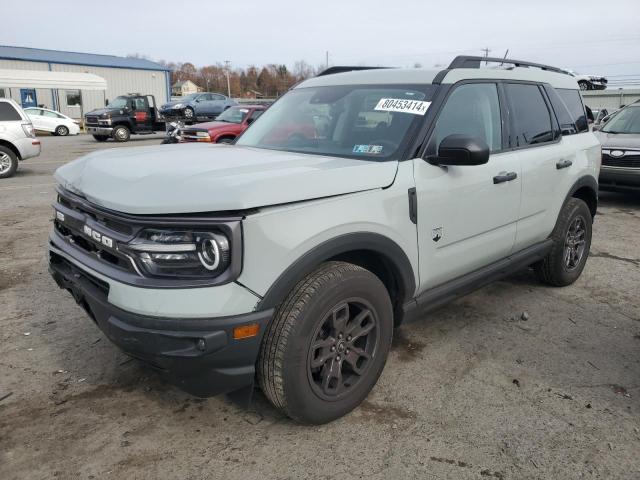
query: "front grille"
626, 161
67, 268
92, 120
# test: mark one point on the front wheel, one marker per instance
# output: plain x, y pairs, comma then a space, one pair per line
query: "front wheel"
584, 85
121, 133
327, 343
571, 244
189, 113
62, 131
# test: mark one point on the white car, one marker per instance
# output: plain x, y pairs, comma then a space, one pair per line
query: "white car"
47, 120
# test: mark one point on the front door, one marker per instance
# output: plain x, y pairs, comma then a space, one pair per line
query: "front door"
28, 97
142, 114
467, 215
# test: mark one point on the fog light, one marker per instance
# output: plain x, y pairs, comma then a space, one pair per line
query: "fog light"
246, 331
201, 344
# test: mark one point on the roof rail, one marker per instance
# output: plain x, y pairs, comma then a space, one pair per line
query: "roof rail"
465, 61
342, 69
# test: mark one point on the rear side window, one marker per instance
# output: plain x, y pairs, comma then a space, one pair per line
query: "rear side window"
8, 113
531, 118
567, 122
573, 101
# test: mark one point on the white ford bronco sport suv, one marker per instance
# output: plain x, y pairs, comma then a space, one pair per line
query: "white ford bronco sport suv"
360, 200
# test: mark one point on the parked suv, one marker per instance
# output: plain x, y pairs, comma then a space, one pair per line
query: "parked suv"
17, 137
290, 259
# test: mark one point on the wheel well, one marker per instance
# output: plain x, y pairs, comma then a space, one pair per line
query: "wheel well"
225, 137
385, 270
589, 196
11, 147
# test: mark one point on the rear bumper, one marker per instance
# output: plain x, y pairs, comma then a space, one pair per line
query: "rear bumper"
99, 130
616, 178
199, 355
28, 147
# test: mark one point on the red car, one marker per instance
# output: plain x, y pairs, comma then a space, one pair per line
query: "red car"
229, 124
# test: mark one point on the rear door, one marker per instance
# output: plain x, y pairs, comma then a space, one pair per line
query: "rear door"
467, 215
536, 137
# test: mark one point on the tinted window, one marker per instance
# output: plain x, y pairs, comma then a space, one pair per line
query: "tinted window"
7, 112
573, 101
566, 120
256, 114
473, 110
531, 117
140, 104
74, 98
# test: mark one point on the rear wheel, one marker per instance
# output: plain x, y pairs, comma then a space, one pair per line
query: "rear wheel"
121, 133
101, 138
327, 343
8, 162
62, 131
571, 244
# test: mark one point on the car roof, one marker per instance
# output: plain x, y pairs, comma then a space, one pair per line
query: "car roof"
417, 76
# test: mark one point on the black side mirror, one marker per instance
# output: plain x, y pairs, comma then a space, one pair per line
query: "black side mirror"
460, 149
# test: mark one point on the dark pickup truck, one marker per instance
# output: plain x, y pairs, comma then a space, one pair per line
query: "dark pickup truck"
126, 115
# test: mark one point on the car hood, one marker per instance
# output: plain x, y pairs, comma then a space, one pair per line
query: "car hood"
102, 111
192, 178
619, 140
211, 126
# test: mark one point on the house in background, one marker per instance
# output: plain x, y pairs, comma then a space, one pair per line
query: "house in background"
186, 87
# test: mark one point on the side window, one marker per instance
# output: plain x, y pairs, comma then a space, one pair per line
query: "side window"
33, 112
566, 120
255, 114
218, 98
573, 101
8, 113
46, 113
472, 109
205, 98
531, 117
140, 104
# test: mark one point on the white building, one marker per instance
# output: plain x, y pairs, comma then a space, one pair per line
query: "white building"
186, 87
123, 75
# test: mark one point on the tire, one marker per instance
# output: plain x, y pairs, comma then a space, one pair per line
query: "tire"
564, 263
61, 131
8, 162
293, 375
189, 113
101, 138
225, 140
121, 133
584, 85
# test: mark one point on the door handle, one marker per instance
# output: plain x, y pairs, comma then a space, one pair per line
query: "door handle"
565, 163
505, 177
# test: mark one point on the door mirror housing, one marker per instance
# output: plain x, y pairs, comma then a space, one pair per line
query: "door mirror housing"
461, 150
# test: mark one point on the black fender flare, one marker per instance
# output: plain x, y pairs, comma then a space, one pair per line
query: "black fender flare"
342, 244
586, 181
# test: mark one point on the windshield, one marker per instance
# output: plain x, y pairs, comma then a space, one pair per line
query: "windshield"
355, 121
118, 102
233, 115
625, 121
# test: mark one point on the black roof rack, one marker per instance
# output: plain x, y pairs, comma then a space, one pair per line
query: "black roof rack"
342, 69
464, 61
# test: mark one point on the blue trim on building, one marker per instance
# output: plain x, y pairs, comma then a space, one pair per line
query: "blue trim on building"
167, 77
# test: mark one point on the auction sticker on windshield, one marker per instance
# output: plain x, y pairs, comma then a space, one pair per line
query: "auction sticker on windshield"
415, 107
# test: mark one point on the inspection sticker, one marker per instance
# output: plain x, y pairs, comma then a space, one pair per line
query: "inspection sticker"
415, 107
370, 149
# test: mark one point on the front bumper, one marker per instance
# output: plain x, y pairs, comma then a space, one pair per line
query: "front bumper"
198, 355
618, 178
93, 130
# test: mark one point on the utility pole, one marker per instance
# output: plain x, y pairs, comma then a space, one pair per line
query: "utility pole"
327, 58
226, 65
486, 51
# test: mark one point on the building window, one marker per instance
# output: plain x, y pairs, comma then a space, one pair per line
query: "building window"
2, 93
73, 98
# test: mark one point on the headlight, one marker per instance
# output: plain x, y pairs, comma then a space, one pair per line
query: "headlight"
180, 253
178, 105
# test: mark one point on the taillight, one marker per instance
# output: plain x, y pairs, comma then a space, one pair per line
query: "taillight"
29, 130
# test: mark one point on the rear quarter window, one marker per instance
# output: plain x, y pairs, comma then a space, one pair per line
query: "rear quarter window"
573, 101
8, 113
